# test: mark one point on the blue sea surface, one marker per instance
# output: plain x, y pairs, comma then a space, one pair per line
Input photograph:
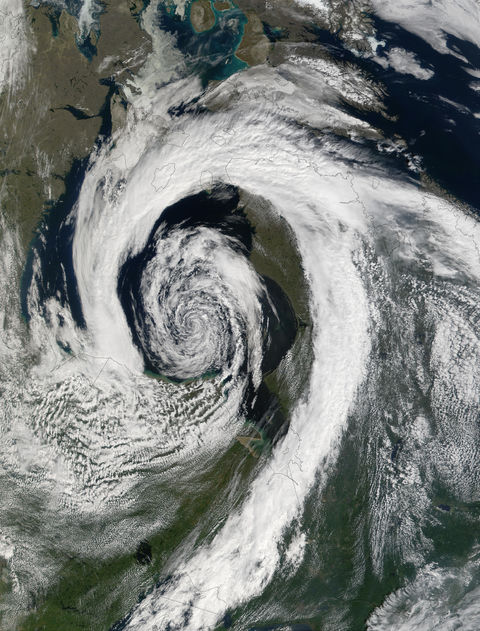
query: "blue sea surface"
209, 54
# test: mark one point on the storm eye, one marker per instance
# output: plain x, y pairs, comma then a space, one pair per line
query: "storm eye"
194, 302
202, 298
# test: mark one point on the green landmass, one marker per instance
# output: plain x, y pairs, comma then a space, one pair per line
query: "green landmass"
202, 16
275, 254
56, 117
254, 45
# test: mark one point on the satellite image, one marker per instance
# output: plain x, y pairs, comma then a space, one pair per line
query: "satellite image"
240, 315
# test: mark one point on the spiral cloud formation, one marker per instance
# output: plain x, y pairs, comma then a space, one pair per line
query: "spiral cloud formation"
155, 329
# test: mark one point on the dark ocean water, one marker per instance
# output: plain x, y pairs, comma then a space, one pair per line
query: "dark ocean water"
442, 134
435, 116
51, 246
436, 119
209, 54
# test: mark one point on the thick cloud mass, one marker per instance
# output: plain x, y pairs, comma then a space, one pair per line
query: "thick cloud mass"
149, 329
